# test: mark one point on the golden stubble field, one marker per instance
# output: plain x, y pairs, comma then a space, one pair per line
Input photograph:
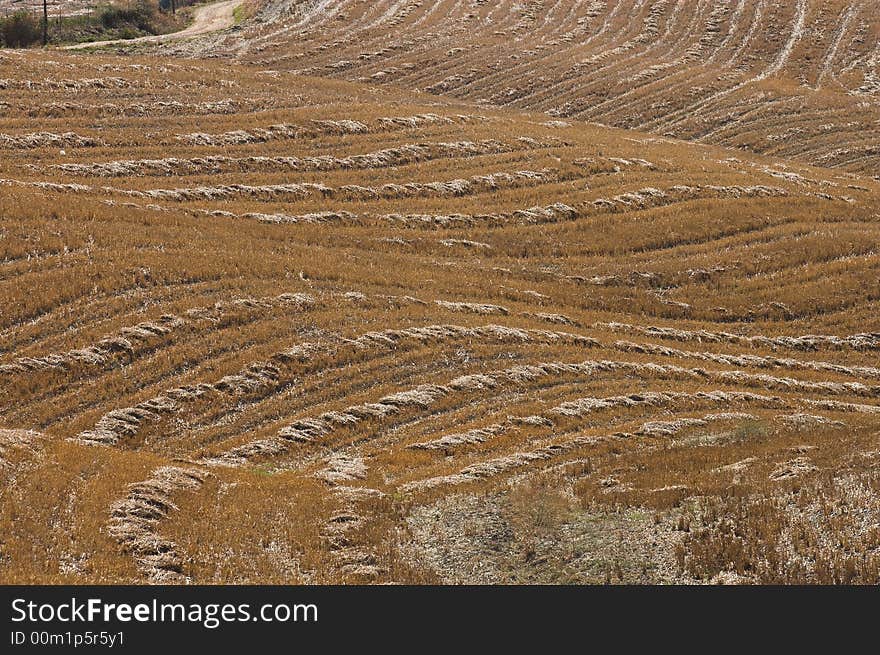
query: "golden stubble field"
262, 327
798, 79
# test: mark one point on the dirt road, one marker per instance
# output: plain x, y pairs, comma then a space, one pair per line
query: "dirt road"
210, 18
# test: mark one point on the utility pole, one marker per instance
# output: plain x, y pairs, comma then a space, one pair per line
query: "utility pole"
45, 22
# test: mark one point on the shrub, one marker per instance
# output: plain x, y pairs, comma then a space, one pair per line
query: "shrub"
20, 30
142, 16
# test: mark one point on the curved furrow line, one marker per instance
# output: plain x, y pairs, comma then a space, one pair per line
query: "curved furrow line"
135, 520
846, 20
481, 470
87, 304
499, 50
398, 156
260, 378
144, 337
678, 83
686, 69
326, 127
631, 37
745, 360
427, 396
589, 89
797, 31
862, 341
748, 360
425, 72
489, 85
477, 184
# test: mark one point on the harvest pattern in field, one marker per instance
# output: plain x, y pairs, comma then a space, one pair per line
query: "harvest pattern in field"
262, 327
794, 79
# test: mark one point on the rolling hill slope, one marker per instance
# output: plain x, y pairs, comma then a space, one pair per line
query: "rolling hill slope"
264, 327
794, 79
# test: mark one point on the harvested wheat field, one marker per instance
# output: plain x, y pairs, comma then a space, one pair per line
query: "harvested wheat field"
379, 302
798, 79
